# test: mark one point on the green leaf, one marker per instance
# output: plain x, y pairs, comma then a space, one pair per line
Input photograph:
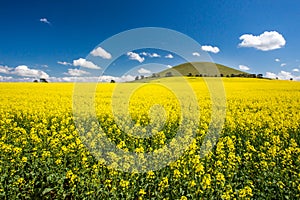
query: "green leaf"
46, 190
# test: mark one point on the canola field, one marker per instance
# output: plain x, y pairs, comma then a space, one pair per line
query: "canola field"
257, 155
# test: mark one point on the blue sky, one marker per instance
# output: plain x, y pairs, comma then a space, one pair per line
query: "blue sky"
53, 38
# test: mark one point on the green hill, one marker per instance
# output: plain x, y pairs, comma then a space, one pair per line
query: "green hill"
200, 69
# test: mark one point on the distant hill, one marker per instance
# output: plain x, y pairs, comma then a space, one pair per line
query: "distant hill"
200, 69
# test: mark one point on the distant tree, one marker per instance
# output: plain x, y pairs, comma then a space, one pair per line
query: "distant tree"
216, 75
43, 80
232, 75
222, 75
227, 76
197, 75
153, 75
259, 75
137, 78
35, 81
276, 78
200, 75
112, 81
142, 76
291, 79
190, 74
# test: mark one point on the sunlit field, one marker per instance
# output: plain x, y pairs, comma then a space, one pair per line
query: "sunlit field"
257, 155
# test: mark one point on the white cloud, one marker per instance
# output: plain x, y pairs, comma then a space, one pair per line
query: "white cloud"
144, 54
295, 70
269, 40
23, 70
76, 72
5, 78
144, 71
283, 64
151, 55
101, 53
277, 60
84, 63
5, 69
284, 75
169, 66
169, 56
154, 55
196, 54
44, 20
210, 49
244, 67
135, 56
64, 63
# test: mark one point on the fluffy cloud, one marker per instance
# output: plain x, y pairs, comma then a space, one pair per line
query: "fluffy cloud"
295, 70
154, 55
135, 56
169, 56
101, 53
5, 78
64, 63
5, 69
284, 75
169, 66
196, 54
44, 20
84, 63
76, 72
244, 67
211, 49
277, 60
283, 64
269, 40
144, 71
23, 70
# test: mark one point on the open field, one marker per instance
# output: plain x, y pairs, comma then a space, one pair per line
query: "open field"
256, 157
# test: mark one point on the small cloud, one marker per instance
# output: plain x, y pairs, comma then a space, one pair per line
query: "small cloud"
5, 78
277, 60
244, 67
211, 49
151, 55
283, 64
269, 40
64, 63
169, 56
135, 56
76, 72
44, 20
196, 54
23, 70
295, 70
101, 53
144, 54
169, 66
84, 63
144, 71
154, 55
5, 69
